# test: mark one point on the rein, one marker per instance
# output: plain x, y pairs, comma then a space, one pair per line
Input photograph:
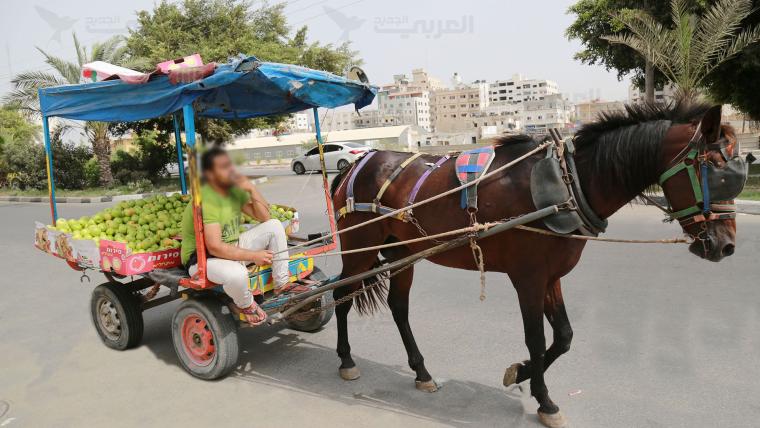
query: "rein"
690, 159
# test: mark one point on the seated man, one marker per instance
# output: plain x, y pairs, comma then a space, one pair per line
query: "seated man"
224, 196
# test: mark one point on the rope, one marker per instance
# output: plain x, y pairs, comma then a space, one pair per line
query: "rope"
394, 213
598, 239
472, 229
477, 254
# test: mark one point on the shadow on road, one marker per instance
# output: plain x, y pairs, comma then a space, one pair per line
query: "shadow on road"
281, 358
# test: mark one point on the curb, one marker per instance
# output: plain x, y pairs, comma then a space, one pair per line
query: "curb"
97, 199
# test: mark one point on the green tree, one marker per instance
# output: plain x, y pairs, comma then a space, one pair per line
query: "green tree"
595, 19
736, 81
64, 72
218, 30
15, 127
690, 52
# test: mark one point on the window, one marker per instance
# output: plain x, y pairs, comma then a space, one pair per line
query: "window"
267, 155
332, 148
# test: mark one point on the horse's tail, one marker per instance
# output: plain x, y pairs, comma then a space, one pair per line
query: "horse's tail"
374, 296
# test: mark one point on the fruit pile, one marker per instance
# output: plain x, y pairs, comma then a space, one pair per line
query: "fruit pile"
145, 225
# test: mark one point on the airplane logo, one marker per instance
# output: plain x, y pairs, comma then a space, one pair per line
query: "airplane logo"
56, 22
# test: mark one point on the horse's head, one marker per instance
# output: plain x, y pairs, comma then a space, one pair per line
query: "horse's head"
703, 173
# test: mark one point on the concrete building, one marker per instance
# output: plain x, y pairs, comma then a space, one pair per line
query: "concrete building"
518, 89
452, 109
404, 108
334, 120
665, 94
538, 116
298, 122
589, 111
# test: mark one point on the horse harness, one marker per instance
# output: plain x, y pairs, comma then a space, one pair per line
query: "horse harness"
554, 181
376, 205
713, 188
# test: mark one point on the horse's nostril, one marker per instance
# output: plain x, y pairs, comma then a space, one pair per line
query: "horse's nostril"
728, 250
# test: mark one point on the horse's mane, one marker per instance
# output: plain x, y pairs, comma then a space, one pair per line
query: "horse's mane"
624, 148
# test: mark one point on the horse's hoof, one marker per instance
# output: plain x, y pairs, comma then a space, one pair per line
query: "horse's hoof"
427, 386
510, 375
351, 373
554, 420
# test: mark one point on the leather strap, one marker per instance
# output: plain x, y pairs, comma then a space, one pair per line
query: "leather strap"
595, 224
395, 174
423, 177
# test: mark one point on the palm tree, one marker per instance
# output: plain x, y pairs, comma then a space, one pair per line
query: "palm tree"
689, 52
63, 72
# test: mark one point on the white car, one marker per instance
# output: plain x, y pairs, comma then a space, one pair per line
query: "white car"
337, 157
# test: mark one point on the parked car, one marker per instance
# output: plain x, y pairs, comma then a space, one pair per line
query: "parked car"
337, 157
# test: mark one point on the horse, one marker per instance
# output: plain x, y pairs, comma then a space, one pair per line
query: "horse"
618, 157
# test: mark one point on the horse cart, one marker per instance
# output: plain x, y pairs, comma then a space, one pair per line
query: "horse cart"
204, 331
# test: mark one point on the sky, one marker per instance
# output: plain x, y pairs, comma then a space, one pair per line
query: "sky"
479, 39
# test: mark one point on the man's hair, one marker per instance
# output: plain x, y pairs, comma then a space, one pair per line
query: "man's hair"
208, 157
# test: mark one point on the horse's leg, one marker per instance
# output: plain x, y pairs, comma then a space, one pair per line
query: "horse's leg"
531, 292
353, 264
554, 309
398, 301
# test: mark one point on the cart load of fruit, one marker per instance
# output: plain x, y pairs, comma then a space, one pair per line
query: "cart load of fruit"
132, 236
144, 225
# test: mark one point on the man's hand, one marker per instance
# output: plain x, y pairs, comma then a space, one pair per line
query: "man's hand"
244, 183
263, 257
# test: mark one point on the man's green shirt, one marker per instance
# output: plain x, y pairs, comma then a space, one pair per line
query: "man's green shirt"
222, 210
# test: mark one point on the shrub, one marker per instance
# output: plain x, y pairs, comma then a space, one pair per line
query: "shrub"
92, 173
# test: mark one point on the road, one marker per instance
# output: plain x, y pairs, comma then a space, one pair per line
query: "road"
662, 339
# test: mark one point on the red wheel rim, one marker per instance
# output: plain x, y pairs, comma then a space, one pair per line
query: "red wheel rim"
198, 340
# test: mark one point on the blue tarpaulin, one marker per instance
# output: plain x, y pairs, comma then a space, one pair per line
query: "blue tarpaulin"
241, 89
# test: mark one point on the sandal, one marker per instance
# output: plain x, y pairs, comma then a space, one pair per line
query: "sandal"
252, 315
291, 287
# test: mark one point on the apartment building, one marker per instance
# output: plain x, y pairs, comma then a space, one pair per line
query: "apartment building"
518, 89
538, 116
452, 109
589, 111
666, 94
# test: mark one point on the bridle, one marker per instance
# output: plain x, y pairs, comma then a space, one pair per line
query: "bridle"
708, 183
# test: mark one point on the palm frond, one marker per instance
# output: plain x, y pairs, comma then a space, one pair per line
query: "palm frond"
81, 52
742, 41
717, 28
36, 80
68, 70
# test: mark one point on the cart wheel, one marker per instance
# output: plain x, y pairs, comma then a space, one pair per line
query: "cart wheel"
117, 315
205, 338
319, 319
343, 164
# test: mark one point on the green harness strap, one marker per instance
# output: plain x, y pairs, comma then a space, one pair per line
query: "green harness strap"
695, 186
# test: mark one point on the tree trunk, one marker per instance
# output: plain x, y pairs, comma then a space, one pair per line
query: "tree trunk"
101, 147
649, 81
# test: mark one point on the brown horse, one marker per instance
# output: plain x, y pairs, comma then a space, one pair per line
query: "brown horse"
617, 158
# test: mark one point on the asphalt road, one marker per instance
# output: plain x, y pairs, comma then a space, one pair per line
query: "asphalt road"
662, 339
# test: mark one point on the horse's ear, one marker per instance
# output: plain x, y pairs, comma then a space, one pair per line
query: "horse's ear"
710, 125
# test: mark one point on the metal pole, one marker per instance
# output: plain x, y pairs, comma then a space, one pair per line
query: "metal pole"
195, 182
50, 176
310, 296
180, 158
325, 185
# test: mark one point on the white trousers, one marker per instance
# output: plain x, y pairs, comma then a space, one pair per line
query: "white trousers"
233, 275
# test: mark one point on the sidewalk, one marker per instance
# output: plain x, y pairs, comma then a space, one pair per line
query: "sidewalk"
96, 199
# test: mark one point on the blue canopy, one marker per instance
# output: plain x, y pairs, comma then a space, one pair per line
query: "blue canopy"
241, 89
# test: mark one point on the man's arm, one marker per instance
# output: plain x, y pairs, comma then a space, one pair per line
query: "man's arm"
216, 247
257, 207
